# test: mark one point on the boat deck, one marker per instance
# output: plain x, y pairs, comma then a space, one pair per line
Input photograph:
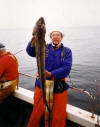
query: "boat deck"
16, 110
16, 113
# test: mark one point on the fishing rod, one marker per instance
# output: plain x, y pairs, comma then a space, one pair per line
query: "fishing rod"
98, 105
30, 76
19, 51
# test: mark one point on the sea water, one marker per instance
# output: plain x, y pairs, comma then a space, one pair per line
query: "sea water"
85, 45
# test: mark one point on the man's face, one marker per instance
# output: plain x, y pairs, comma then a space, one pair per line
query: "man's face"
56, 37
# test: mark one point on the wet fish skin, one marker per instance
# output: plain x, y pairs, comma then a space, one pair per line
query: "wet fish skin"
39, 32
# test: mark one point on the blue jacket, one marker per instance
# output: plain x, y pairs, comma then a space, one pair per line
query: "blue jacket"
53, 61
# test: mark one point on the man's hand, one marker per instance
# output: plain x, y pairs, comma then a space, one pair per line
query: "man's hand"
47, 74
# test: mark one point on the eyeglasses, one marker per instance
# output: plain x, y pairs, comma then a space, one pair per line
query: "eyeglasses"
55, 35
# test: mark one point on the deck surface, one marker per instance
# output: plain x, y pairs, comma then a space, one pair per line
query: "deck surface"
15, 113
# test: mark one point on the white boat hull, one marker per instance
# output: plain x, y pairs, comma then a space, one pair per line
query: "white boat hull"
75, 114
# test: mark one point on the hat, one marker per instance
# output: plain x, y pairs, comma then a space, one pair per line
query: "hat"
2, 46
56, 29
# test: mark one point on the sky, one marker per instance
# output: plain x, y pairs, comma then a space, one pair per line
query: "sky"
67, 13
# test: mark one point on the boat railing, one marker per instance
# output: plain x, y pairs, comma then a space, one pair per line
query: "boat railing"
84, 91
92, 98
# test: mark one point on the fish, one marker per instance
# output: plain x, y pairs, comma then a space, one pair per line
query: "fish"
39, 32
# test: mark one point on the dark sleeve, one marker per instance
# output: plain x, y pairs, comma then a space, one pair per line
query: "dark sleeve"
65, 69
30, 50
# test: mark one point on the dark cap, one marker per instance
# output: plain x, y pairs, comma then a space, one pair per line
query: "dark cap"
2, 45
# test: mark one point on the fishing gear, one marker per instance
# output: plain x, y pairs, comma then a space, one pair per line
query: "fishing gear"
30, 76
98, 105
19, 51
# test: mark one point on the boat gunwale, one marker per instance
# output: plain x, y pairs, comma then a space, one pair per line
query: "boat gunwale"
74, 114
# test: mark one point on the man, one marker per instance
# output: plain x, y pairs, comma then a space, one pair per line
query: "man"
58, 62
8, 73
